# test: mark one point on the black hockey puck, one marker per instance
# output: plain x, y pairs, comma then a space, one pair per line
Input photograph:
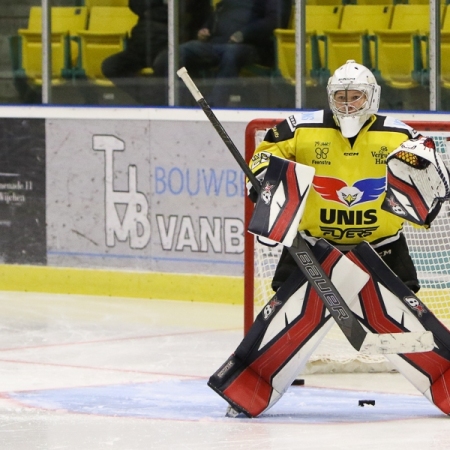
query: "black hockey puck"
366, 402
298, 382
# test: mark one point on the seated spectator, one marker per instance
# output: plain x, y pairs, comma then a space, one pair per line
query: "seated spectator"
148, 39
237, 33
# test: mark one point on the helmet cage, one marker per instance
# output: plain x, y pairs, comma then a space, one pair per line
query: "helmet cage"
347, 108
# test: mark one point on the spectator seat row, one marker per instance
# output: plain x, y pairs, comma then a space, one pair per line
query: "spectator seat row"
392, 40
81, 37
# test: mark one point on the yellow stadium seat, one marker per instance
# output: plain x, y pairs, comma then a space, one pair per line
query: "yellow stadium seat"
398, 58
317, 17
368, 17
323, 2
445, 59
446, 19
375, 2
401, 50
285, 49
411, 17
91, 3
445, 49
66, 23
106, 35
352, 39
415, 17
423, 2
323, 17
344, 45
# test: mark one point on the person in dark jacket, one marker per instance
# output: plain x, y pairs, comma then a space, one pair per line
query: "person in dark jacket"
237, 33
147, 40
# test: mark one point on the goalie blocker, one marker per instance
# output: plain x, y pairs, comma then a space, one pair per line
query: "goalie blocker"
281, 201
293, 323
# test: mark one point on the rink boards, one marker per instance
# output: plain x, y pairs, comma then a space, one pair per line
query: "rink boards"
123, 201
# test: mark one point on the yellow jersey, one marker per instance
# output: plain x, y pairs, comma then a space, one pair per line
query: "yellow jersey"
344, 203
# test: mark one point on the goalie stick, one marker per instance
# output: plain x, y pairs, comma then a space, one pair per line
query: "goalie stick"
362, 340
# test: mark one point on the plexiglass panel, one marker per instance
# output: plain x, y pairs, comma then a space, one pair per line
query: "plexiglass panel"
241, 53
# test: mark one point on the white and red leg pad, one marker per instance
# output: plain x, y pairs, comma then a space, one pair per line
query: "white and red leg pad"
386, 305
283, 336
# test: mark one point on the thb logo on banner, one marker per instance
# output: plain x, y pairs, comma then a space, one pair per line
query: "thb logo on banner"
134, 224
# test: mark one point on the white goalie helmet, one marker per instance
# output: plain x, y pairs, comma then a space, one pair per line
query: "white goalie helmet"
352, 111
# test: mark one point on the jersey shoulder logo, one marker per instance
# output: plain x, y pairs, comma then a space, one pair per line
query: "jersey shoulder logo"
336, 190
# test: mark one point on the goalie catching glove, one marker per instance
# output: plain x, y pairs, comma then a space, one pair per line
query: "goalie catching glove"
417, 181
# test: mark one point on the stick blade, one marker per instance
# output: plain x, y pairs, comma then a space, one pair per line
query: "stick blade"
394, 343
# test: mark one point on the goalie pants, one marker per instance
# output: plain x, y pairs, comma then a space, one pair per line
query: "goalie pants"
395, 255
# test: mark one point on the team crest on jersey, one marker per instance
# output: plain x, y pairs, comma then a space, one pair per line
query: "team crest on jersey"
336, 190
260, 158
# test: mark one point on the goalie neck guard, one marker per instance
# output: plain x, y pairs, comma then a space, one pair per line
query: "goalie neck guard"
358, 96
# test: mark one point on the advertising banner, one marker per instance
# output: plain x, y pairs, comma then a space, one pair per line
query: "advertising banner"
22, 191
144, 195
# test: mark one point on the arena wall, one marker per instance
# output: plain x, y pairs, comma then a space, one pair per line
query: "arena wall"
125, 202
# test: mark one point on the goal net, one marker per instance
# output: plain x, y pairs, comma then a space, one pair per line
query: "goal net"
430, 250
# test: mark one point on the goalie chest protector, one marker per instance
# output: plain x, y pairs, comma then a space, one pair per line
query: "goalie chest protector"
344, 203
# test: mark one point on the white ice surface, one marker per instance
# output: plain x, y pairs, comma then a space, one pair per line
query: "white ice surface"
92, 373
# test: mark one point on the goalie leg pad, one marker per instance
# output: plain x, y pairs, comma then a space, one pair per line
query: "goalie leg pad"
439, 392
283, 337
386, 305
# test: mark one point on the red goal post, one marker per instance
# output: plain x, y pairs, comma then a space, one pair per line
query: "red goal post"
251, 133
430, 249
